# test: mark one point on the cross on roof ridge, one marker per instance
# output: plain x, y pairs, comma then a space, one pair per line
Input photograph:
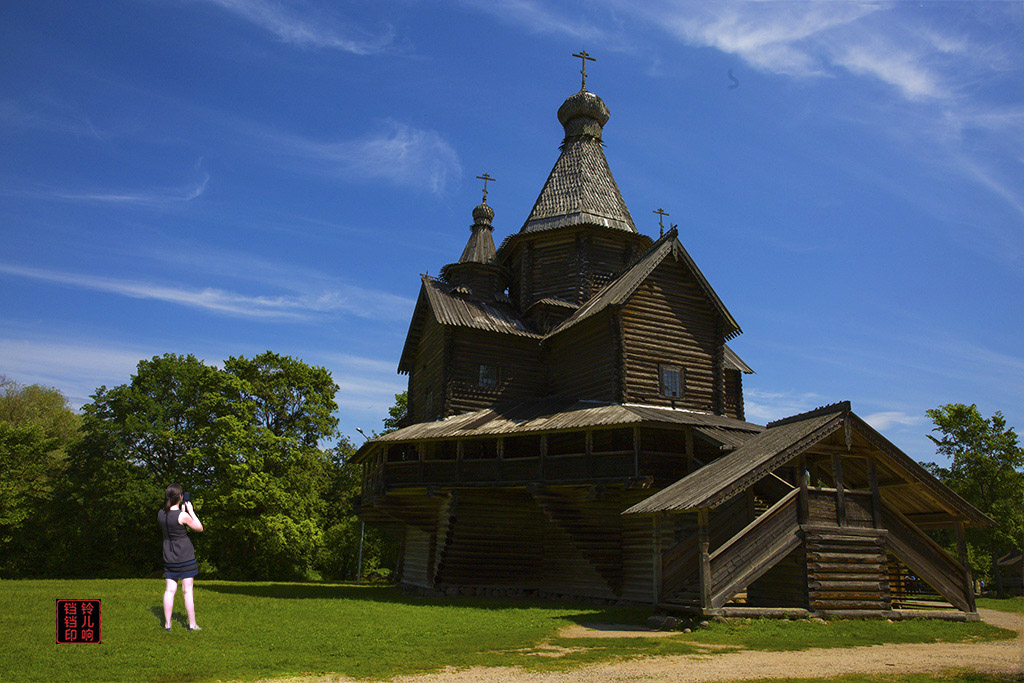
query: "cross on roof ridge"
584, 58
485, 177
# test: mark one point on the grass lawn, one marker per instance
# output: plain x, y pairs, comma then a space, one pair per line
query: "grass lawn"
1014, 604
253, 630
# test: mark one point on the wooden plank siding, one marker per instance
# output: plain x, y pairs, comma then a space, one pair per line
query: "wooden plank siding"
669, 320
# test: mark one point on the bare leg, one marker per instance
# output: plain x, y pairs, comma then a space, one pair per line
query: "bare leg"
172, 587
190, 606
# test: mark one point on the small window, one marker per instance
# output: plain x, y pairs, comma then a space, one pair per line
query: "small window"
671, 380
488, 376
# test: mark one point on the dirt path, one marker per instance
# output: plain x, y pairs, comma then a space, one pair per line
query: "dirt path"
1004, 656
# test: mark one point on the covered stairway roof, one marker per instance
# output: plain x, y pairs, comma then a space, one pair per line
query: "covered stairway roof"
907, 486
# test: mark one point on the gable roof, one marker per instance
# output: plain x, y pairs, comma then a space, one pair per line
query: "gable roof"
444, 303
721, 479
621, 288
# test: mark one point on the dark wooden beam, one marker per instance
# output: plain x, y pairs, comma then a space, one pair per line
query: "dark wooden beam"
837, 474
703, 547
804, 503
876, 496
961, 551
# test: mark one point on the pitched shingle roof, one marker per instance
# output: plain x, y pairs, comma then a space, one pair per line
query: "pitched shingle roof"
580, 190
550, 414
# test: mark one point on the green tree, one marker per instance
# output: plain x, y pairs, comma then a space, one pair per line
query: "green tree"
397, 413
244, 440
985, 469
37, 426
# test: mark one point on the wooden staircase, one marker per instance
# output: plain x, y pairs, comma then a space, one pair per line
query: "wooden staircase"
590, 532
927, 559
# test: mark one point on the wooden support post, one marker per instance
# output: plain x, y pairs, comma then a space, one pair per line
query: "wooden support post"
588, 459
837, 474
636, 452
690, 459
458, 461
656, 545
876, 497
804, 498
500, 447
543, 456
961, 551
704, 547
751, 505
420, 448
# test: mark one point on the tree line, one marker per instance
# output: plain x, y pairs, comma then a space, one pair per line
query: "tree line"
79, 492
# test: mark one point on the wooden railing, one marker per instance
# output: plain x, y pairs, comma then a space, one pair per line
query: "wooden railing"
926, 558
745, 557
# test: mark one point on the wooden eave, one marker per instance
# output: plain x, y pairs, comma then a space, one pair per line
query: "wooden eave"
618, 291
550, 415
783, 440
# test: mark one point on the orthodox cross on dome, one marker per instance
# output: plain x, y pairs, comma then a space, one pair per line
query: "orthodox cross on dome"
485, 177
584, 57
661, 217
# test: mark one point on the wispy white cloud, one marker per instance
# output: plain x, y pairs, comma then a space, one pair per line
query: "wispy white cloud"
398, 153
76, 368
899, 68
346, 299
309, 30
66, 121
885, 419
150, 198
765, 406
541, 18
778, 37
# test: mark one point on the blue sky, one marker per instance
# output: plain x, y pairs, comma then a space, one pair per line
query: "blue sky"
222, 177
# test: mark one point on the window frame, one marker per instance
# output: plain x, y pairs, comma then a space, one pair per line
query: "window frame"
680, 373
488, 385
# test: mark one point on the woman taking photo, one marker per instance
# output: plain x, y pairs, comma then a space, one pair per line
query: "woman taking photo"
176, 518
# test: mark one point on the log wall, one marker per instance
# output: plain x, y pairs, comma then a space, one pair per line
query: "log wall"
568, 264
670, 321
428, 371
847, 569
520, 375
581, 361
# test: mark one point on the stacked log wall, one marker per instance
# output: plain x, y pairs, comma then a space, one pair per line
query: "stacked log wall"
568, 264
734, 394
581, 361
670, 321
428, 371
847, 569
520, 374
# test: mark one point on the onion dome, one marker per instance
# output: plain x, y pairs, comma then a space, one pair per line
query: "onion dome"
583, 114
477, 273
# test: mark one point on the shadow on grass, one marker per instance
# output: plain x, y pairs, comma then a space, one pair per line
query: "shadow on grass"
158, 613
578, 612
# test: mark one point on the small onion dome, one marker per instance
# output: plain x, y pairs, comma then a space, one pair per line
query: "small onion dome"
482, 215
583, 114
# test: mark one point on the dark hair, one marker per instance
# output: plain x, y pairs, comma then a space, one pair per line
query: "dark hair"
173, 496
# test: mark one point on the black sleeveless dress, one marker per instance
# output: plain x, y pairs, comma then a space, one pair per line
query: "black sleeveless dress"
179, 555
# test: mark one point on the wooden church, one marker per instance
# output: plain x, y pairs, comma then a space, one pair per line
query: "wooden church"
575, 427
